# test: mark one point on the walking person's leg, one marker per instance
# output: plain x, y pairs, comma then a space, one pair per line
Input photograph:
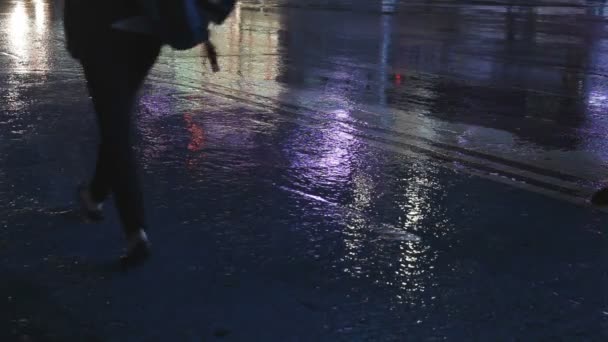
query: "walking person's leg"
93, 194
115, 70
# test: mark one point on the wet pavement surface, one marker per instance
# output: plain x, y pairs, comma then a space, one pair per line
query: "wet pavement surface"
348, 176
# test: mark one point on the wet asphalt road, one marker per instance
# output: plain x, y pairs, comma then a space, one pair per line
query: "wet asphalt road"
348, 176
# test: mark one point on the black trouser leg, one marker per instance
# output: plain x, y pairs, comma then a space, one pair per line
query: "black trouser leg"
115, 69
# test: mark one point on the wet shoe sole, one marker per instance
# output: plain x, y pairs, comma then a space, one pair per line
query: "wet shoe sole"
137, 256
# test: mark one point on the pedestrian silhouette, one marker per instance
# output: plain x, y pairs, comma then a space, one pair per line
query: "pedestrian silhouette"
116, 50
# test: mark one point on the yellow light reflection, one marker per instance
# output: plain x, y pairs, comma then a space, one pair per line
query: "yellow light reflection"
18, 28
27, 36
40, 14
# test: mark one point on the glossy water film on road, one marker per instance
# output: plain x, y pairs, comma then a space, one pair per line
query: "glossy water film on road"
357, 171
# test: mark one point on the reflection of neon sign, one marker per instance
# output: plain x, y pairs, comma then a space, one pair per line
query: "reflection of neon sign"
197, 134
